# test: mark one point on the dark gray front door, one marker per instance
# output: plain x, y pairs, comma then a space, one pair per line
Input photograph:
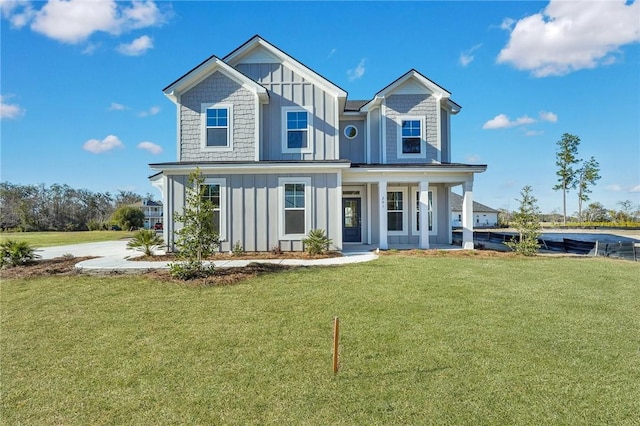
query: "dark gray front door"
351, 225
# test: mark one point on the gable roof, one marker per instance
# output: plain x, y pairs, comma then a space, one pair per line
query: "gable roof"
414, 76
207, 68
257, 42
456, 205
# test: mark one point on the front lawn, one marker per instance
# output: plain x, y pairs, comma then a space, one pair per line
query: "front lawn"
441, 339
57, 238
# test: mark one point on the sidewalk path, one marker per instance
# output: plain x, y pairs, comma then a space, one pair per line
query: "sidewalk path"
114, 254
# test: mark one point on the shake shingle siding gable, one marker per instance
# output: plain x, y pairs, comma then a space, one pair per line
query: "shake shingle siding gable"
218, 89
423, 106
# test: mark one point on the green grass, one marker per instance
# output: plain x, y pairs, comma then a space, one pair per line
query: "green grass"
48, 239
437, 340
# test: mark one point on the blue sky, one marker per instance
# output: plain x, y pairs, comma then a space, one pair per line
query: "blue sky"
81, 81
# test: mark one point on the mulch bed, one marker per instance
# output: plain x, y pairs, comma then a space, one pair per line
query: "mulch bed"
41, 268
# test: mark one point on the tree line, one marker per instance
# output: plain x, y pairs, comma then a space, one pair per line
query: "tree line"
59, 207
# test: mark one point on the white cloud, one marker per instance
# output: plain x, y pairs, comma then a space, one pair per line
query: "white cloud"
107, 144
507, 23
472, 158
502, 121
333, 51
533, 132
571, 35
151, 147
137, 47
635, 189
152, 111
18, 12
357, 72
10, 111
116, 107
613, 187
548, 116
466, 57
74, 21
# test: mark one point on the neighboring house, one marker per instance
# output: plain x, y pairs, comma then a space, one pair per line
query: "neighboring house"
283, 151
483, 216
152, 213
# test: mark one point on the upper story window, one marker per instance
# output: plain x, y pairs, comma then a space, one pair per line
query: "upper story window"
296, 130
411, 138
351, 131
217, 127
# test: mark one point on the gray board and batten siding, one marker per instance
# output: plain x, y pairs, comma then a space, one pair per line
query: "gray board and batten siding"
253, 208
287, 89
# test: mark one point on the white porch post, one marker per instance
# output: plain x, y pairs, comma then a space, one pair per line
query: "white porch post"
382, 222
424, 214
467, 215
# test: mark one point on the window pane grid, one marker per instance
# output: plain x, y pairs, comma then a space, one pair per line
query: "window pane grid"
217, 117
297, 125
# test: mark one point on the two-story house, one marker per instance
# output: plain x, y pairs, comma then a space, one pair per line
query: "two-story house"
283, 151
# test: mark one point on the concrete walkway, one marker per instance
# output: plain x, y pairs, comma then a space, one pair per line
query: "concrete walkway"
114, 255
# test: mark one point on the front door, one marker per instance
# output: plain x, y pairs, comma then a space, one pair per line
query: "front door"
351, 226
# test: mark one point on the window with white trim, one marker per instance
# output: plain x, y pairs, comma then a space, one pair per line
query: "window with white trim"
215, 191
396, 211
431, 211
217, 128
296, 130
411, 137
295, 202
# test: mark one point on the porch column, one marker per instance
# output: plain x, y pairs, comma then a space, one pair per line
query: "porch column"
424, 214
382, 222
467, 215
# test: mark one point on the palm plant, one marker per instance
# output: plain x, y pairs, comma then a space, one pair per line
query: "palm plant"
14, 253
146, 241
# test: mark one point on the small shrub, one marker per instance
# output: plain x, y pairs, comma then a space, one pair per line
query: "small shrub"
68, 256
316, 242
190, 270
146, 241
237, 250
15, 253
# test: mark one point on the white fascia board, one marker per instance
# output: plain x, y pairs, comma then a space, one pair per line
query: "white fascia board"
205, 70
373, 103
451, 106
410, 175
309, 74
179, 169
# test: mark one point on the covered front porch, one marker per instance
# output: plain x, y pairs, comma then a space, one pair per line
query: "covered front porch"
405, 206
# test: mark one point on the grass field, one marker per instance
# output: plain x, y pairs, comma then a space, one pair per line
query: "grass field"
49, 239
446, 340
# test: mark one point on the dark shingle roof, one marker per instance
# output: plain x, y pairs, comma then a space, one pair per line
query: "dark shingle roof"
456, 205
354, 105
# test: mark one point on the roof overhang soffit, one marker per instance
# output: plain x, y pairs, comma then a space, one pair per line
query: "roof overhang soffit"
236, 57
206, 69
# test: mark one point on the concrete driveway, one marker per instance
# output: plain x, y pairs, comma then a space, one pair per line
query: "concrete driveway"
102, 249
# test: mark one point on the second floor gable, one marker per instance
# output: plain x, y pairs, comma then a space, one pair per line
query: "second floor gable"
260, 104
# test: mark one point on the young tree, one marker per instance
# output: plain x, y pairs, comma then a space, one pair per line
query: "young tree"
527, 222
588, 174
566, 157
197, 239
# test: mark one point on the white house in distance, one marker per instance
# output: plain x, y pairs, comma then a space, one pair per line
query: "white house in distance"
153, 214
483, 216
283, 151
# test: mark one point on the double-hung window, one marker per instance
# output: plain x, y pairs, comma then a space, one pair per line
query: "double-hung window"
297, 130
411, 137
215, 192
217, 127
295, 200
396, 211
430, 211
